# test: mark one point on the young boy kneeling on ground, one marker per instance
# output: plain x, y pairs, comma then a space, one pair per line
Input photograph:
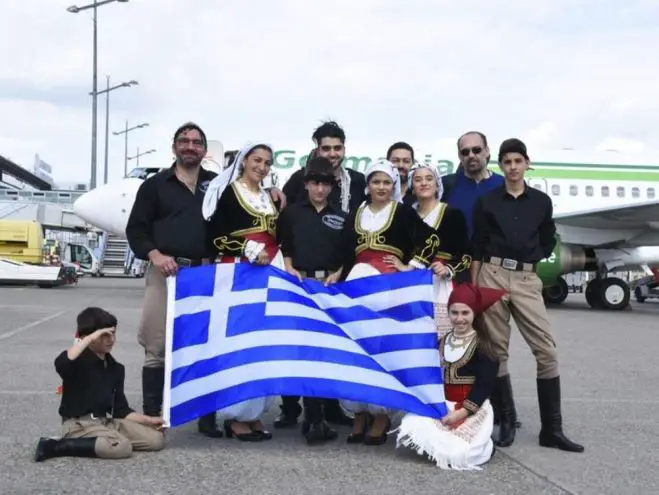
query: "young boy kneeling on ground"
96, 418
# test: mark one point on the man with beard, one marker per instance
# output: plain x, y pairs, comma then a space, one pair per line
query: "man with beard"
350, 185
472, 179
401, 155
166, 227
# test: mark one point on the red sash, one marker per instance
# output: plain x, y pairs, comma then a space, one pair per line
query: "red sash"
457, 394
270, 242
376, 260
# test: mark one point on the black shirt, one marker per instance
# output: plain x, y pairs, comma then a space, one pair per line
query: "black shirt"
519, 228
295, 191
91, 385
167, 216
312, 239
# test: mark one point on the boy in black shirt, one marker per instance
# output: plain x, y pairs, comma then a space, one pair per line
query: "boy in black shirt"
310, 234
96, 418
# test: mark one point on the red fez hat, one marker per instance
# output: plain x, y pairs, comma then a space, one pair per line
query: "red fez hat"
477, 298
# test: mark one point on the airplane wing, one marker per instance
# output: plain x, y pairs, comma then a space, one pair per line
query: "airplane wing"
624, 226
636, 216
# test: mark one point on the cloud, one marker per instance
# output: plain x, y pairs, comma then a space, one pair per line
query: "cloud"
557, 74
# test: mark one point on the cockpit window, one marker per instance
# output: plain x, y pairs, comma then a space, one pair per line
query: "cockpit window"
143, 173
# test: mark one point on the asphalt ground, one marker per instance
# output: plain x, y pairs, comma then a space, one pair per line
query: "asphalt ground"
610, 402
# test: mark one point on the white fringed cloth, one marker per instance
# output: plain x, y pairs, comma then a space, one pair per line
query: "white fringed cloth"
463, 448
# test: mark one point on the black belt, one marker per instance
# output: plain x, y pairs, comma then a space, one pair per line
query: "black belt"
318, 274
510, 264
188, 262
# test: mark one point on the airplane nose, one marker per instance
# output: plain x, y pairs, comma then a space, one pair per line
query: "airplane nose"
108, 207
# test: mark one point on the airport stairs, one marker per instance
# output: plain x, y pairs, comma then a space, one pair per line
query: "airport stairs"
114, 256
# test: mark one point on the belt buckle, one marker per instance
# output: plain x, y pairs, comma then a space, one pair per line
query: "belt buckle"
184, 261
509, 264
319, 274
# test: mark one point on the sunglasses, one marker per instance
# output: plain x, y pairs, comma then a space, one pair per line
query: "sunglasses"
475, 150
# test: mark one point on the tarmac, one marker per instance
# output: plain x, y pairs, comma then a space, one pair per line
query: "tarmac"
610, 401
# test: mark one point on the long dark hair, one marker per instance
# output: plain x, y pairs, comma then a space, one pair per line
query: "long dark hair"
485, 343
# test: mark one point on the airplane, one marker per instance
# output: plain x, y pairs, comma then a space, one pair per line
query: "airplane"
605, 208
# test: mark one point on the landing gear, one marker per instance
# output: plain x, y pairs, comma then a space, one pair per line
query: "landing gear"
557, 293
608, 293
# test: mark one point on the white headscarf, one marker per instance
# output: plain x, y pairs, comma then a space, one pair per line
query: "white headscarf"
435, 173
217, 186
386, 167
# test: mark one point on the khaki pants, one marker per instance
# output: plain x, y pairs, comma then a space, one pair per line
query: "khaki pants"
115, 439
151, 333
524, 302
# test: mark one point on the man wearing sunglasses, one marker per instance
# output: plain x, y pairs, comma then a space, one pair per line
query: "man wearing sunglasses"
472, 179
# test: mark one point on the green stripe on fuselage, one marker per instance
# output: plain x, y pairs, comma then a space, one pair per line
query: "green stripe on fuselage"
289, 159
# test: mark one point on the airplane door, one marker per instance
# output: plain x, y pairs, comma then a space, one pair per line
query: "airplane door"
540, 184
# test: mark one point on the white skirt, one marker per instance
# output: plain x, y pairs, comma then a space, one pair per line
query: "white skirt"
251, 409
361, 270
463, 448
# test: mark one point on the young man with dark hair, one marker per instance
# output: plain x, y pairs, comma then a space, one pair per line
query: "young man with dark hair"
310, 234
513, 230
401, 155
96, 418
350, 187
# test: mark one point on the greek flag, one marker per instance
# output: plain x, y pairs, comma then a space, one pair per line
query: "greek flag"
240, 331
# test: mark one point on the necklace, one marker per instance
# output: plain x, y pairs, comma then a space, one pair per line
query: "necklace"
460, 342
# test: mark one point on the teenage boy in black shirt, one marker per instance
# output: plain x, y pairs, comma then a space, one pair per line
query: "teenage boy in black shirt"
96, 418
310, 236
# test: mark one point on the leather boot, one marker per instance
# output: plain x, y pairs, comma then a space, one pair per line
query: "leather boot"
290, 410
551, 433
48, 448
507, 412
207, 426
495, 400
335, 414
314, 427
153, 383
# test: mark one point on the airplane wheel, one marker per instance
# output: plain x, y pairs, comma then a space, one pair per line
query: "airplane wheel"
614, 293
557, 293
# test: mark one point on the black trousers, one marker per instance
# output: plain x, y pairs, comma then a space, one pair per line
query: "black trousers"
319, 408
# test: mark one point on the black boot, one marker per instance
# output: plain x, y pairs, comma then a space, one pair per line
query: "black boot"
315, 428
290, 410
334, 413
207, 426
507, 412
153, 383
48, 448
495, 400
551, 433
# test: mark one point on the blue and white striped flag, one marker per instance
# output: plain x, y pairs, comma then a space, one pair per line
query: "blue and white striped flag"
240, 331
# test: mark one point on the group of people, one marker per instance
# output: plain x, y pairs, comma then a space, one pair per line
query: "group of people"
481, 233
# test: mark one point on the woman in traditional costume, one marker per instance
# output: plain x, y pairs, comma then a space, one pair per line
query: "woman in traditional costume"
462, 439
452, 262
382, 236
242, 227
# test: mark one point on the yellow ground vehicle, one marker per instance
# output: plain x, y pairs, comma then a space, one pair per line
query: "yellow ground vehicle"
21, 241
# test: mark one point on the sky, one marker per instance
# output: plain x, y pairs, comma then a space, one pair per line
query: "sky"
555, 73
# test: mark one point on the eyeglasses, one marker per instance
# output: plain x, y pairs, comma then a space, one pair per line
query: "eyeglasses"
474, 149
196, 142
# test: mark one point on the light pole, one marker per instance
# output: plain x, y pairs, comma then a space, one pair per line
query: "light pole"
137, 156
125, 133
107, 118
74, 9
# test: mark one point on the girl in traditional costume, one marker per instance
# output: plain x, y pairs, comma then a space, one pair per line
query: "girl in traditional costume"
242, 228
452, 262
461, 439
382, 236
